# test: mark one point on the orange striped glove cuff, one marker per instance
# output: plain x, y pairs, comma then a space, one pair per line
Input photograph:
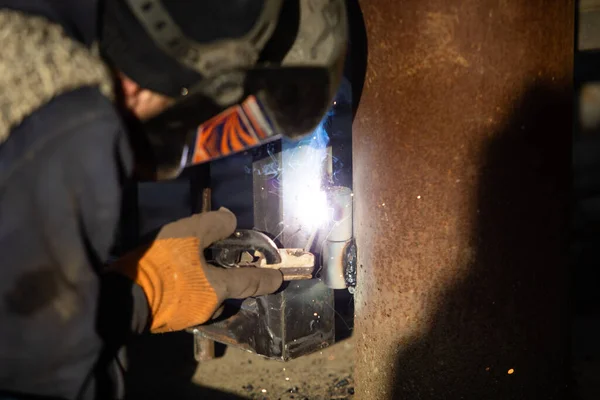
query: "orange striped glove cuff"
170, 273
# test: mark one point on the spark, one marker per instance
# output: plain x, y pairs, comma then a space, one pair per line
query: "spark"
299, 175
511, 371
303, 192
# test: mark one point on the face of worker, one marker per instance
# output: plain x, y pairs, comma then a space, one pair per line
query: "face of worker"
142, 103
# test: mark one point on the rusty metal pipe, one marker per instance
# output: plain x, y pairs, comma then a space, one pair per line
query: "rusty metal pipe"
461, 175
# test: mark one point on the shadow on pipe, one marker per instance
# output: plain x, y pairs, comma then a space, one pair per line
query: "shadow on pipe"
501, 332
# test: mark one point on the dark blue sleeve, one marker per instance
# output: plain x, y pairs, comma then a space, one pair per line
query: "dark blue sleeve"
61, 177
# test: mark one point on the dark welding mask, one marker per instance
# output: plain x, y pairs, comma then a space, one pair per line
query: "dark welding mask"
277, 80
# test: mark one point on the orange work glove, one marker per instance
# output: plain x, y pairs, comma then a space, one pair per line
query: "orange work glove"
182, 289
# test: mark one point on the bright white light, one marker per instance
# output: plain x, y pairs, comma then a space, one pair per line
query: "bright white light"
311, 207
302, 192
305, 166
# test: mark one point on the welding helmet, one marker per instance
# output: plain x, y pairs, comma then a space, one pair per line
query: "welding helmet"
242, 72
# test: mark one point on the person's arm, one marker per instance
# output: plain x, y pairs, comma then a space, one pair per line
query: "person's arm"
61, 175
60, 197
182, 289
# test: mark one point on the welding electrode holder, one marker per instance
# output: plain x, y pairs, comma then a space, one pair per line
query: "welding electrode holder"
228, 252
250, 248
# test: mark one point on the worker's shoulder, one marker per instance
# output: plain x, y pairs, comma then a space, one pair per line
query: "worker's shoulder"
72, 110
83, 115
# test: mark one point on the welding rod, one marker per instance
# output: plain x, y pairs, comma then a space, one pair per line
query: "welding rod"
204, 348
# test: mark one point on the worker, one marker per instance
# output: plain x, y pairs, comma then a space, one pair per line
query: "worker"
95, 92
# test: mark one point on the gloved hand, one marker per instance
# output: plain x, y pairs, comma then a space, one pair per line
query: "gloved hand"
182, 289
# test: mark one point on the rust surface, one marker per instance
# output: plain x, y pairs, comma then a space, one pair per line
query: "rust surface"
461, 176
204, 349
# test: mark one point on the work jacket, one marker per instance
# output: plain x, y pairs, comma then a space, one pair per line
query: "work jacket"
64, 161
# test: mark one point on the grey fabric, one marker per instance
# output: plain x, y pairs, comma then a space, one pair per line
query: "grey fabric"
39, 62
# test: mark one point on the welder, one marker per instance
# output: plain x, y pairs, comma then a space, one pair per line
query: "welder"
96, 93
